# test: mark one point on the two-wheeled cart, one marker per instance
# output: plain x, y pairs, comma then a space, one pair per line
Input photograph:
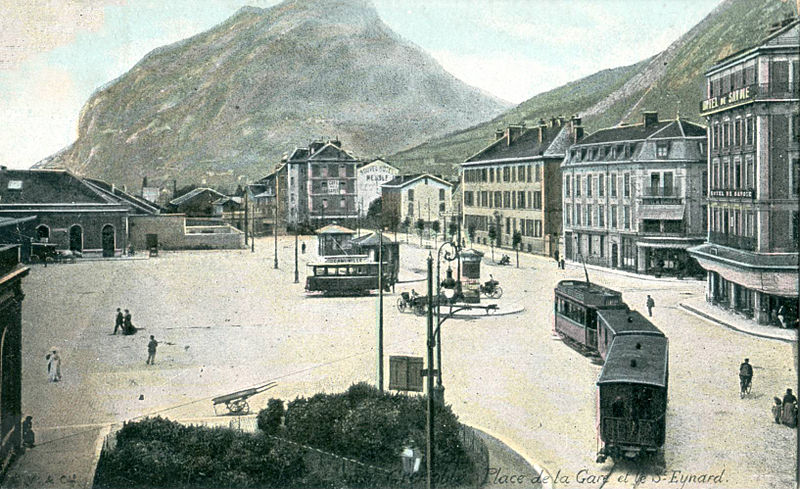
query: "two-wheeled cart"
236, 403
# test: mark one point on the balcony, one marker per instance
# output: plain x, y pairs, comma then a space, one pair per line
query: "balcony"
733, 241
748, 94
661, 196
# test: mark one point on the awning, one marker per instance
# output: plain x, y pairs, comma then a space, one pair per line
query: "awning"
759, 274
669, 243
661, 212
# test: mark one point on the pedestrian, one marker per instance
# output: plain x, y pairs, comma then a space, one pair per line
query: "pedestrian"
777, 410
53, 365
782, 316
119, 321
28, 436
128, 323
650, 305
558, 262
151, 351
303, 248
563, 264
789, 415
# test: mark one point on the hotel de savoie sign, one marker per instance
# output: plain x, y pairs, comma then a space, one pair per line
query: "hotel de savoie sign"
732, 98
741, 194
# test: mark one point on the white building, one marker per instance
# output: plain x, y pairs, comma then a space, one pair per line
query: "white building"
369, 178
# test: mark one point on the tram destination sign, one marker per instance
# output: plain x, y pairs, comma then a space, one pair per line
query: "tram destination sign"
732, 98
738, 194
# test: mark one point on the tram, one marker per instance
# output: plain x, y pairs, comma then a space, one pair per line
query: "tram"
632, 398
346, 277
620, 322
576, 306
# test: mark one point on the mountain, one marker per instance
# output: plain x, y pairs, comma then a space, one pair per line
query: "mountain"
669, 82
224, 105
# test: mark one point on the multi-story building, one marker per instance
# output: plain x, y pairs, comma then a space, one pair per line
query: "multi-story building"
370, 177
514, 184
634, 196
321, 185
409, 198
751, 105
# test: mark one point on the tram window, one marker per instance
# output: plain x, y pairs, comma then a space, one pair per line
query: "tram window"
341, 270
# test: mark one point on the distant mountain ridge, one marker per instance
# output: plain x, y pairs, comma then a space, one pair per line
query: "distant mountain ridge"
670, 82
224, 105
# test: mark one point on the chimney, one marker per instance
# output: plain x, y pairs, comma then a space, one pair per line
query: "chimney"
650, 118
560, 120
553, 122
577, 129
512, 133
542, 130
498, 133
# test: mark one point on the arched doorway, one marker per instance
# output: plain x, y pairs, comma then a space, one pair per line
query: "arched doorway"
43, 233
108, 240
76, 238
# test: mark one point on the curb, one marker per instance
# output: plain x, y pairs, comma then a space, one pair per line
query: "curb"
486, 314
544, 473
712, 319
624, 273
98, 450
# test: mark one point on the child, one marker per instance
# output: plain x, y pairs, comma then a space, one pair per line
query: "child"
777, 409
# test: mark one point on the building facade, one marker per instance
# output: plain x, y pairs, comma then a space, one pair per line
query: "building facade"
634, 196
321, 185
514, 184
11, 296
370, 177
751, 105
409, 198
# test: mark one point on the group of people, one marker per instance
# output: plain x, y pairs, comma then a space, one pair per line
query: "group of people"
124, 322
559, 261
784, 411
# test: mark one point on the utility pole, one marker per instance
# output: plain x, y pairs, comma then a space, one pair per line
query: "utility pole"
296, 273
429, 378
275, 227
245, 218
380, 310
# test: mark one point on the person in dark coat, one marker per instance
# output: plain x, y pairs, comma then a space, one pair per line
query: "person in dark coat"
650, 305
128, 323
28, 436
745, 375
789, 415
119, 321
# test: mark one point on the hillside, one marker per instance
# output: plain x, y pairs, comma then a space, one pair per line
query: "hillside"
669, 82
224, 105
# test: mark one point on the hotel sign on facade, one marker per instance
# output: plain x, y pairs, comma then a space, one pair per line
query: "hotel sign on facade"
731, 99
732, 194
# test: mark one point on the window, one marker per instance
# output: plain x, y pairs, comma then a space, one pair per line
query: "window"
15, 185
795, 182
521, 199
567, 179
507, 199
491, 174
613, 217
613, 184
737, 173
537, 228
704, 212
411, 195
342, 171
441, 206
587, 214
627, 186
662, 149
568, 214
589, 185
468, 198
577, 185
521, 173
577, 214
737, 132
715, 176
715, 135
601, 186
537, 199
506, 174
626, 216
441, 194
538, 172
749, 131
704, 183
726, 170
342, 203
528, 174
601, 216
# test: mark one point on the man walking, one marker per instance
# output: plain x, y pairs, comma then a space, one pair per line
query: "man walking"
650, 305
151, 351
118, 321
745, 377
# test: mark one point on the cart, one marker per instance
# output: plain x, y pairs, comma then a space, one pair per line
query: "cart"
236, 403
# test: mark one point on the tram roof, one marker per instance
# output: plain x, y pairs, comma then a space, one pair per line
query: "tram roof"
622, 321
345, 263
636, 359
587, 292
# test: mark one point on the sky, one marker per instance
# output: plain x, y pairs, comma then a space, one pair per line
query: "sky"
55, 53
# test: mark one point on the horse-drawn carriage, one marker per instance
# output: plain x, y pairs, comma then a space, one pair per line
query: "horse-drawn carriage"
48, 253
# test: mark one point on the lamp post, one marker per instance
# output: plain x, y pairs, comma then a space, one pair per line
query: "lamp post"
296, 273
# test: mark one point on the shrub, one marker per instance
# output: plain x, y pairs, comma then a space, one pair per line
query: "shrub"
269, 419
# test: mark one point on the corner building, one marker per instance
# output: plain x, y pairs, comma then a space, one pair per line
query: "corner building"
634, 196
751, 105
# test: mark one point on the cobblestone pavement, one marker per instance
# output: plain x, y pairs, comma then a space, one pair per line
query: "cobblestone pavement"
228, 320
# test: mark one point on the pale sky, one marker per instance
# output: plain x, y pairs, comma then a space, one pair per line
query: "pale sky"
55, 53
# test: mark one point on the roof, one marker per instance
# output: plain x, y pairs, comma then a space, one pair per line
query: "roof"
139, 203
745, 259
636, 132
329, 151
48, 187
371, 239
377, 161
589, 293
635, 359
194, 193
335, 229
526, 145
622, 321
405, 180
13, 221
226, 199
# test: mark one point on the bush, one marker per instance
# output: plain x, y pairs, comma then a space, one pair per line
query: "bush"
269, 419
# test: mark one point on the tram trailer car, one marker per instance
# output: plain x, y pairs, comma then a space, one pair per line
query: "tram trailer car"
576, 306
619, 322
346, 278
632, 398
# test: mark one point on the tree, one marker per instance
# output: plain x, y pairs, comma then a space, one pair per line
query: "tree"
436, 227
420, 229
407, 226
471, 233
516, 240
452, 229
374, 213
492, 237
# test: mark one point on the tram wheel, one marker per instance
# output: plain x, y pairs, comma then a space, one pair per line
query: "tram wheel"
496, 293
